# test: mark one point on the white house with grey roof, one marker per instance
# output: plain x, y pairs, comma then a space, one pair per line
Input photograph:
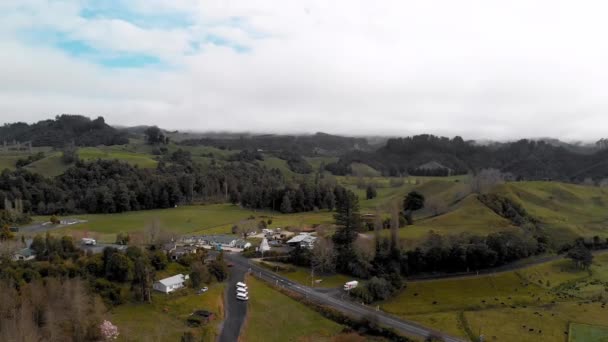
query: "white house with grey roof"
171, 284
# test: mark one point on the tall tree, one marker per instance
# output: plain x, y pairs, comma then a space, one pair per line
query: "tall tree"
580, 255
348, 220
412, 202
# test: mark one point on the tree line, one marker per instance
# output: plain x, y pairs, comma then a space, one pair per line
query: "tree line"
64, 129
111, 186
525, 159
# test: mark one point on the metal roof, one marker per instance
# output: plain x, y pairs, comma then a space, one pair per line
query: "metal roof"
176, 279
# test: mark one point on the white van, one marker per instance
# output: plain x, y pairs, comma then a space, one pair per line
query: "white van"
242, 296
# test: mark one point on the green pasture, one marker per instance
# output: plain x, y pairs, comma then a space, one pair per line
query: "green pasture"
273, 316
586, 332
165, 319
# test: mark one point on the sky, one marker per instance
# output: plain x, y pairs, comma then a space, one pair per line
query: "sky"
482, 69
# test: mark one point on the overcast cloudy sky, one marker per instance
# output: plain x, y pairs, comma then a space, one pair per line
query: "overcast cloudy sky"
481, 69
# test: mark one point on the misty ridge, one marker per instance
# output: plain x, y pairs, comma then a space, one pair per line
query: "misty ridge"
423, 154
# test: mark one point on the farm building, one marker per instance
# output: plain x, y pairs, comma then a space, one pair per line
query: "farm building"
304, 240
170, 284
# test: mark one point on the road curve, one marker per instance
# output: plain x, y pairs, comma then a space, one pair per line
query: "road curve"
346, 307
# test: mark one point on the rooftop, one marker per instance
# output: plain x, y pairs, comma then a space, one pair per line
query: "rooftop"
176, 279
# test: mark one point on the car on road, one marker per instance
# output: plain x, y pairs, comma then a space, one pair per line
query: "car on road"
239, 284
241, 290
242, 296
230, 264
203, 290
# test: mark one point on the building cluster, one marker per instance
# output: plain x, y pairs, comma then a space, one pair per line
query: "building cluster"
218, 242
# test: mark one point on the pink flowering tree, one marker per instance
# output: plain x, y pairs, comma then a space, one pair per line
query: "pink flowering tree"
108, 330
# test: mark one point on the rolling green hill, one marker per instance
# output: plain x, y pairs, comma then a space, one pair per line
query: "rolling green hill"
117, 152
566, 211
49, 166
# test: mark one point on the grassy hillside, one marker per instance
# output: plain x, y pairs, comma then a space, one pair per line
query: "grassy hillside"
117, 152
566, 210
273, 316
49, 166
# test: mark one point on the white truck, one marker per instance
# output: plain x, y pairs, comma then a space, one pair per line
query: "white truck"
89, 242
351, 285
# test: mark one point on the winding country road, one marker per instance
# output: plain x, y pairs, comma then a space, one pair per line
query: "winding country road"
242, 265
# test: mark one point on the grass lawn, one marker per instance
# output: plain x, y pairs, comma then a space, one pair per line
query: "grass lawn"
121, 153
491, 291
165, 318
202, 219
586, 332
549, 322
302, 275
273, 316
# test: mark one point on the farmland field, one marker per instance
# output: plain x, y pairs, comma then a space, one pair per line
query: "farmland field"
207, 219
276, 317
531, 304
303, 276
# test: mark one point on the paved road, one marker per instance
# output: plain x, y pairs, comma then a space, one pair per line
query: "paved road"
41, 227
236, 310
347, 307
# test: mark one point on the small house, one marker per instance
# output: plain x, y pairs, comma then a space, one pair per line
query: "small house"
170, 284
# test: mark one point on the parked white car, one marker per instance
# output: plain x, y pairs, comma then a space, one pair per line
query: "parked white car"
241, 290
242, 296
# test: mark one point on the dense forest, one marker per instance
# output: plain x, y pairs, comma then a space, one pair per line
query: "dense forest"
110, 186
63, 130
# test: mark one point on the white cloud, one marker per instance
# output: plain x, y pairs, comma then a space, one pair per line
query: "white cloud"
482, 69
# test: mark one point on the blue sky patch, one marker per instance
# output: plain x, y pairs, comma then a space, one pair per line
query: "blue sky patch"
120, 10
